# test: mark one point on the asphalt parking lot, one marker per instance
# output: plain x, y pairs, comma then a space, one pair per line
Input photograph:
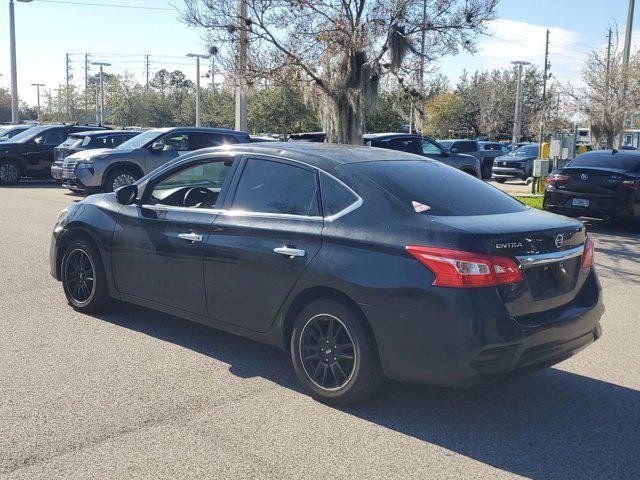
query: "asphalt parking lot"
132, 393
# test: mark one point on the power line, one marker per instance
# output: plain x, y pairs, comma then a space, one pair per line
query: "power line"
114, 5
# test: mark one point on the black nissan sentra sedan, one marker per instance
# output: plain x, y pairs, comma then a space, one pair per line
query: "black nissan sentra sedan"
365, 263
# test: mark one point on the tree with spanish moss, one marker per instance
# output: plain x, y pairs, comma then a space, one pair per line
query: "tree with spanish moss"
342, 48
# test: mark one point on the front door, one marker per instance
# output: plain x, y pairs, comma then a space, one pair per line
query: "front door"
158, 245
39, 157
175, 144
268, 233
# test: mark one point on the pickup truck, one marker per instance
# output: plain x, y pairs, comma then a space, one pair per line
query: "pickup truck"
485, 152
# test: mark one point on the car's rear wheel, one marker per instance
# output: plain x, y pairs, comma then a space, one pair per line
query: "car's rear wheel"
83, 277
119, 177
334, 354
10, 172
487, 168
501, 180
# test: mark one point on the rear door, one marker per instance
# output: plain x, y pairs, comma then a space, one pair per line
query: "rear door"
259, 246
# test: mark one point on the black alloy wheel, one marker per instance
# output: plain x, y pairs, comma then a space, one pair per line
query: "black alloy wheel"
80, 276
327, 351
83, 278
334, 353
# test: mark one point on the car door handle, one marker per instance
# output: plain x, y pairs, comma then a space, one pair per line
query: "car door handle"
290, 252
190, 237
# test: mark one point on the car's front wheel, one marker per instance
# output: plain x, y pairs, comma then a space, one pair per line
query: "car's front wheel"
119, 177
83, 278
9, 172
334, 354
501, 180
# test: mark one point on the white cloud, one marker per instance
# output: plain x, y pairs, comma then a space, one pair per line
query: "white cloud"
509, 40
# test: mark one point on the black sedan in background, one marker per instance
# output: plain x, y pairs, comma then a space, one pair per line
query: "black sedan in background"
601, 184
7, 132
516, 165
354, 259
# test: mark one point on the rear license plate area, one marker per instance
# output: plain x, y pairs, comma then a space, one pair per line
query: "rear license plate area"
552, 279
580, 202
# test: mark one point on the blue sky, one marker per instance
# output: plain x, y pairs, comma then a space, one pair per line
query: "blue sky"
47, 29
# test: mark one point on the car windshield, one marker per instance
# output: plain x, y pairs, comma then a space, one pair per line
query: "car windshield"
621, 161
446, 143
526, 151
140, 140
27, 135
71, 142
444, 190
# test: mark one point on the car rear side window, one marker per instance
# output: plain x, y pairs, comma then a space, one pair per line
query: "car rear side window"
627, 162
268, 186
445, 190
335, 196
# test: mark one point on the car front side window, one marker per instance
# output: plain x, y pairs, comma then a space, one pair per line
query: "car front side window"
195, 186
429, 148
175, 142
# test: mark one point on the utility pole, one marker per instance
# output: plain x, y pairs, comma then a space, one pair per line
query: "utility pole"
517, 120
15, 114
66, 91
197, 56
213, 74
627, 36
146, 58
241, 69
86, 87
544, 89
101, 64
38, 85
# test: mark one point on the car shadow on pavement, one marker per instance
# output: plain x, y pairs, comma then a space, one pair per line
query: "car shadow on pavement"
551, 424
617, 244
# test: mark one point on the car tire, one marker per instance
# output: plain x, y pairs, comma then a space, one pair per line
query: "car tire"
501, 180
118, 177
83, 277
10, 172
345, 367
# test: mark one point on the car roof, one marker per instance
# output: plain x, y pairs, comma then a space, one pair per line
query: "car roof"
326, 156
90, 133
372, 136
227, 131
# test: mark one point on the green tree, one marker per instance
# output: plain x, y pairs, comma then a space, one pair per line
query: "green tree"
446, 115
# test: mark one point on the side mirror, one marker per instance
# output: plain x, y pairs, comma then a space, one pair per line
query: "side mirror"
157, 147
127, 194
39, 141
444, 153
454, 150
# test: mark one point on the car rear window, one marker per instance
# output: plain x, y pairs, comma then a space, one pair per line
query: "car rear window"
445, 190
622, 161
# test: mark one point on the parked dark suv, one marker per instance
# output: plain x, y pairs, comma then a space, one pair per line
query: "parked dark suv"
30, 153
77, 142
361, 262
485, 152
424, 146
108, 169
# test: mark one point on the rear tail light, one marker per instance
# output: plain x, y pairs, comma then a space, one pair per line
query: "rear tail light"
454, 268
631, 184
588, 253
557, 177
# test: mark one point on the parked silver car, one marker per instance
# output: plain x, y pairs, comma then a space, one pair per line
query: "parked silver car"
107, 169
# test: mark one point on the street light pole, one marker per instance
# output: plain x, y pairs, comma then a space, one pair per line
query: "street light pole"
101, 64
517, 120
197, 56
38, 85
15, 114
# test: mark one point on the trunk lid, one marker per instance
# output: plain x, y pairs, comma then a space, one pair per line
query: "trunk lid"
593, 181
547, 247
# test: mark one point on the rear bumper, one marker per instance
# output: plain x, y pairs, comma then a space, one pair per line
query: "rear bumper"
599, 206
475, 340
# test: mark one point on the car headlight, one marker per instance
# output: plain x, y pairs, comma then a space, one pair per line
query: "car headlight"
85, 163
62, 214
